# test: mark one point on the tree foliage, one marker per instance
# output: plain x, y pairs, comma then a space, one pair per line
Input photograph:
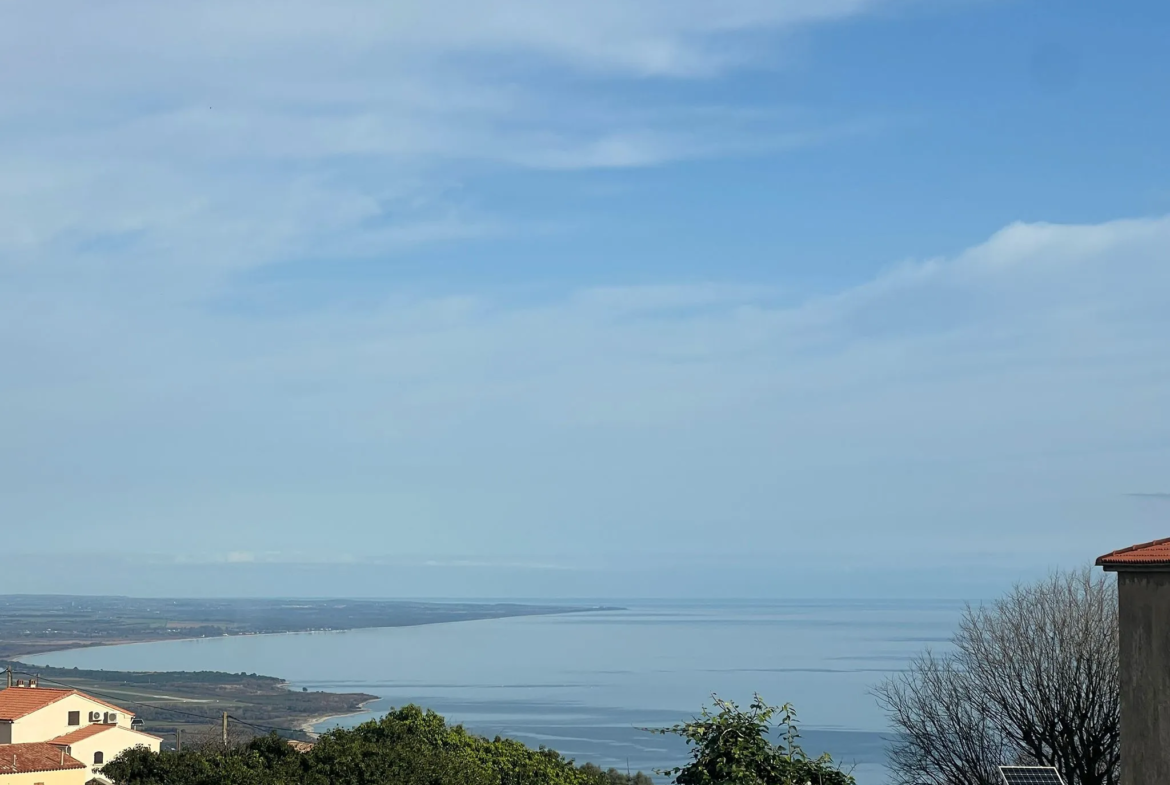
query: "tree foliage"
408, 746
733, 747
1032, 678
597, 776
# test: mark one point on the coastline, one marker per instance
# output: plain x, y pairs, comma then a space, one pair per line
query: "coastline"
155, 690
78, 646
308, 726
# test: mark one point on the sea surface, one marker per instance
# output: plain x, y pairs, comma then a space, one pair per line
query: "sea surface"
587, 684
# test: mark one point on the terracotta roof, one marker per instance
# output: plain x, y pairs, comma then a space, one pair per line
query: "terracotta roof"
17, 702
92, 730
1148, 554
82, 733
20, 758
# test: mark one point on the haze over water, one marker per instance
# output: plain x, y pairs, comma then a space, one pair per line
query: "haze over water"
585, 684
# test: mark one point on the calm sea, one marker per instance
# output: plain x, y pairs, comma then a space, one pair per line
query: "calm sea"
585, 684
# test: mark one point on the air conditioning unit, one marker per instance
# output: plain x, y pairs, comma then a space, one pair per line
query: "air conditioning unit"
111, 718
95, 716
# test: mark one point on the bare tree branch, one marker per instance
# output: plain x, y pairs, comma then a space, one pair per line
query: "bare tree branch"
1033, 678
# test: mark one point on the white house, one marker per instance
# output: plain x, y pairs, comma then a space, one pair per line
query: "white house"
83, 727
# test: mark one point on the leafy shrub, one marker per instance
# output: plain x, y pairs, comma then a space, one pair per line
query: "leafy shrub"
733, 747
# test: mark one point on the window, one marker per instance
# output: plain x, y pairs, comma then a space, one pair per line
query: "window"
98, 757
74, 718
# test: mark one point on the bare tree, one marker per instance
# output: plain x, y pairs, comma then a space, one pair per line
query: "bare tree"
1032, 678
945, 736
209, 738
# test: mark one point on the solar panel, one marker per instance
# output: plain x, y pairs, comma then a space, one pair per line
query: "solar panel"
1030, 775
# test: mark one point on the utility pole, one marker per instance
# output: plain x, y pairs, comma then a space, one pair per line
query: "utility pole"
225, 729
178, 739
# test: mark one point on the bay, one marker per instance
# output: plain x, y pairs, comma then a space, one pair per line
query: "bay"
587, 684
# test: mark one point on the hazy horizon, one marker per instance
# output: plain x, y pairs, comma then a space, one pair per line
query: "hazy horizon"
133, 576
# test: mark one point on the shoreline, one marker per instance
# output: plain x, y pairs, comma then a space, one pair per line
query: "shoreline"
108, 644
308, 726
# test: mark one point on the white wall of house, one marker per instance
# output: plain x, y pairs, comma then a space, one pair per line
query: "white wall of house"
53, 720
65, 777
110, 743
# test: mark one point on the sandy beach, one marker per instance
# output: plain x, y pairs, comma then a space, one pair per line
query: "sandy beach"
308, 725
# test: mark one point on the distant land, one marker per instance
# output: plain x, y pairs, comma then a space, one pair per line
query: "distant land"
32, 624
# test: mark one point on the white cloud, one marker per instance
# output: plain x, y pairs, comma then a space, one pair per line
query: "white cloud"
233, 134
987, 402
156, 150
240, 557
495, 565
655, 37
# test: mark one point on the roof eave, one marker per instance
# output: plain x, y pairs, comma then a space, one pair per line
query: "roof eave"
1135, 567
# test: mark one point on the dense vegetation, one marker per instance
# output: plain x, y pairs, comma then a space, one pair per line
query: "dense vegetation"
411, 746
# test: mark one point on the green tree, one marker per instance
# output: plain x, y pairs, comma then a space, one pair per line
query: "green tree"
408, 746
733, 747
598, 776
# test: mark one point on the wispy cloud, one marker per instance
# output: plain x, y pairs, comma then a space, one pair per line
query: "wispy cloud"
496, 565
624, 417
227, 135
657, 37
165, 153
333, 558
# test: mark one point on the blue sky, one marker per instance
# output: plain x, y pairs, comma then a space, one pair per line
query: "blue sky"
582, 298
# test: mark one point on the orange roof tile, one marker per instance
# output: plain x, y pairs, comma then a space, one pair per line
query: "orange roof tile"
1148, 554
92, 730
82, 733
20, 758
17, 702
